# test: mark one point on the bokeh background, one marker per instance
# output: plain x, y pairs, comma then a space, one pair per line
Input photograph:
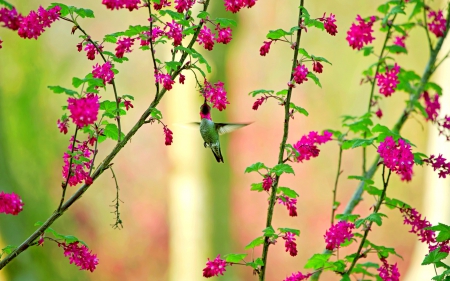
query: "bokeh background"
180, 206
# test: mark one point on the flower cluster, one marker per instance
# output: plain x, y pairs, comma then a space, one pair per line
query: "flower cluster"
439, 163
33, 25
235, 5
306, 146
264, 50
432, 106
317, 66
298, 277
123, 46
174, 32
337, 234
90, 49
164, 79
80, 256
183, 5
10, 18
379, 113
64, 125
120, 4
400, 41
168, 134
329, 24
83, 111
162, 3
388, 272
437, 24
267, 182
444, 126
103, 72
80, 168
258, 103
388, 81
360, 34
300, 73
397, 157
10, 203
216, 95
290, 245
207, 38
214, 267
290, 204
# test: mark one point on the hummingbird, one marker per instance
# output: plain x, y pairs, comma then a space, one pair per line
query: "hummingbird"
211, 131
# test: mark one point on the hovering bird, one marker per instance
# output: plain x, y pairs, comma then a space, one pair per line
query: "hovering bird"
211, 131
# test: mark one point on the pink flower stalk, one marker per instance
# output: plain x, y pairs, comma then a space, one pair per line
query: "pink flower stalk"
388, 272
438, 23
400, 41
183, 5
388, 81
127, 104
90, 49
168, 134
223, 35
10, 203
120, 4
80, 255
432, 106
329, 24
79, 171
153, 35
182, 79
10, 18
258, 103
63, 126
439, 163
84, 111
290, 245
397, 157
206, 38
379, 113
361, 34
267, 182
215, 267
103, 72
306, 146
123, 46
300, 72
337, 234
165, 79
290, 204
1, 41
298, 277
174, 32
317, 67
32, 26
235, 5
216, 95
264, 50
162, 3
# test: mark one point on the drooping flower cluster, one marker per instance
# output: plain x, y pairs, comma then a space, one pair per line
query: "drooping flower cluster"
329, 24
214, 267
174, 32
360, 34
298, 277
267, 182
162, 4
216, 95
164, 79
258, 103
290, 204
10, 18
388, 272
235, 5
32, 26
379, 113
264, 50
337, 234
306, 146
412, 217
183, 5
397, 157
90, 49
400, 41
79, 171
206, 37
290, 244
10, 203
63, 126
439, 163
83, 111
181, 79
80, 255
437, 24
388, 81
120, 4
300, 72
168, 134
432, 106
103, 72
444, 126
317, 67
123, 46
223, 35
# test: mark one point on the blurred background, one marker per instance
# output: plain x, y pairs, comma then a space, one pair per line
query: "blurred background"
180, 206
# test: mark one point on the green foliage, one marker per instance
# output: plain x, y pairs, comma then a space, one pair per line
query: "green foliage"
292, 230
6, 4
66, 10
91, 82
234, 258
288, 192
269, 231
60, 90
156, 114
172, 66
318, 261
347, 217
434, 257
256, 264
257, 187
255, 167
68, 239
196, 55
279, 169
255, 243
298, 109
225, 22
8, 250
314, 78
260, 92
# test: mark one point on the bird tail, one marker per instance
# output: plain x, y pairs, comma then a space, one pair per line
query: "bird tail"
217, 153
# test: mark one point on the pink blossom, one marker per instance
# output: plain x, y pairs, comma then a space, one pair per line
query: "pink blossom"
123, 46
34, 23
1, 41
300, 72
379, 113
182, 79
329, 24
120, 4
206, 38
174, 32
361, 34
258, 103
317, 67
267, 182
84, 111
223, 35
290, 244
127, 104
432, 106
215, 267
438, 23
165, 79
10, 18
388, 272
183, 5
337, 234
162, 3
10, 203
290, 204
397, 157
388, 81
298, 277
168, 134
80, 255
439, 163
79, 171
306, 146
91, 50
400, 41
62, 126
216, 95
235, 5
103, 72
264, 50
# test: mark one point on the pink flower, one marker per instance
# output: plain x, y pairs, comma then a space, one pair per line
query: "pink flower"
300, 72
317, 67
290, 204
183, 5
306, 146
10, 203
91, 51
388, 272
437, 25
223, 35
361, 34
84, 111
206, 38
1, 41
258, 103
119, 4
432, 106
168, 133
162, 3
174, 32
79, 171
127, 104
80, 255
388, 81
329, 24
215, 267
337, 234
439, 163
235, 5
216, 95
400, 41
397, 157
264, 50
62, 126
103, 72
290, 245
165, 79
33, 25
123, 46
298, 277
182, 79
267, 182
10, 18
379, 113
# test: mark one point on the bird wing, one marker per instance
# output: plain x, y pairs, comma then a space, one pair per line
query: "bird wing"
225, 128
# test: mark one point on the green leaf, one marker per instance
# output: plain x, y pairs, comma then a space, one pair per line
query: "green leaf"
255, 264
134, 30
314, 78
298, 109
276, 34
9, 6
433, 86
64, 8
434, 256
225, 22
190, 30
269, 231
259, 92
283, 168
255, 243
322, 59
418, 157
255, 167
367, 50
59, 90
397, 10
417, 9
384, 8
156, 114
345, 277
347, 217
283, 92
376, 218
203, 15
395, 49
303, 52
111, 131
257, 187
172, 65
292, 230
317, 261
9, 249
84, 13
234, 258
288, 192
174, 15
372, 190
357, 143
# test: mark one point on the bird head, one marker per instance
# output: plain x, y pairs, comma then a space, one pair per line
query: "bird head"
205, 111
